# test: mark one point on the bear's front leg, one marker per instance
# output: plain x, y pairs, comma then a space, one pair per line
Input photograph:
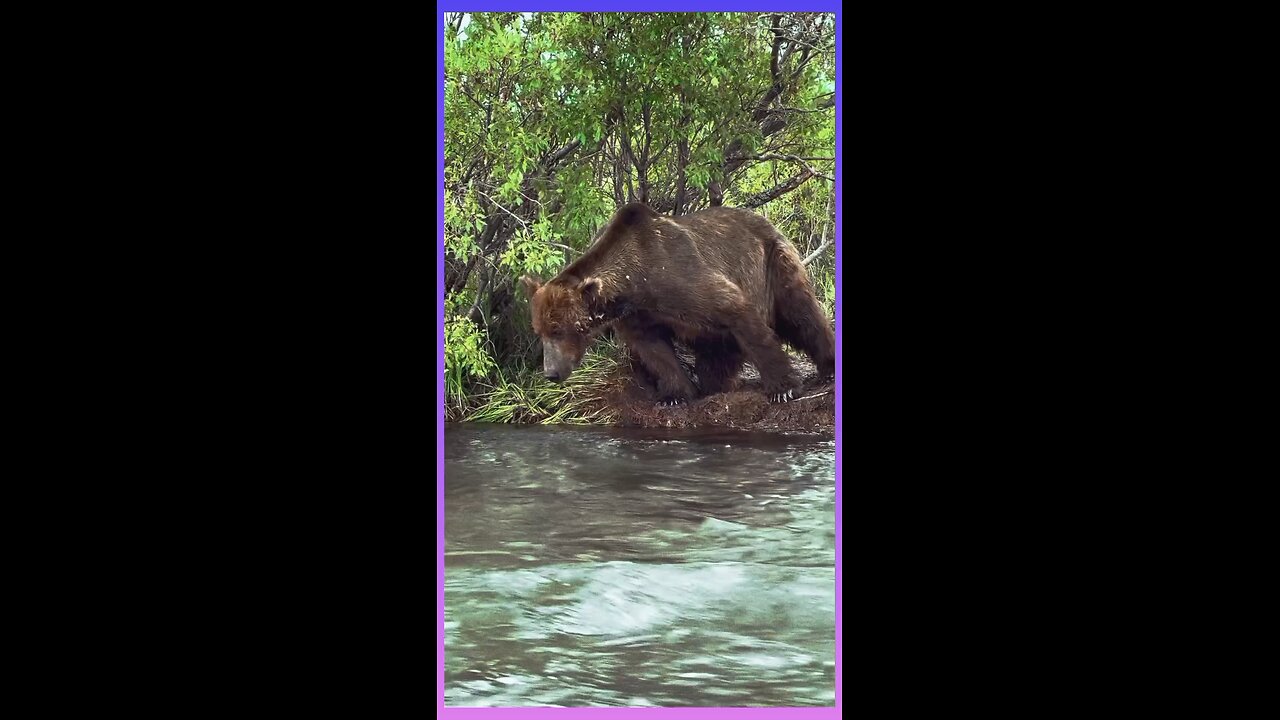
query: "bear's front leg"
658, 357
640, 374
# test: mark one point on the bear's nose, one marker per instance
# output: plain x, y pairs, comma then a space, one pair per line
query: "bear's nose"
552, 375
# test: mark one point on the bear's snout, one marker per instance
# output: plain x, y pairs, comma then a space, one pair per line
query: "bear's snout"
556, 365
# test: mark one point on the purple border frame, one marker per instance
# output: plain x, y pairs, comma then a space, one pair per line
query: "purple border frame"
444, 6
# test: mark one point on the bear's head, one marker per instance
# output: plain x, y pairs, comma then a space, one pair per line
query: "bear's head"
567, 312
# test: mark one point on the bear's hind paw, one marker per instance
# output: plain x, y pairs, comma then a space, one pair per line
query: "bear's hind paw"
782, 397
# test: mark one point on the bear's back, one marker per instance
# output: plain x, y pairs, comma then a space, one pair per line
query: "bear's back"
733, 239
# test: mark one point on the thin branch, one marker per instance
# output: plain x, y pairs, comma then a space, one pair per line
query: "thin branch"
660, 153
793, 158
477, 102
583, 157
495, 203
526, 197
805, 57
814, 255
715, 133
798, 41
522, 222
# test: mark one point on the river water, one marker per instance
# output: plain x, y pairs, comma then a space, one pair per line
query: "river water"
638, 567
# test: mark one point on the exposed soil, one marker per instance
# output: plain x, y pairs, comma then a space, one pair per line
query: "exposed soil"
746, 407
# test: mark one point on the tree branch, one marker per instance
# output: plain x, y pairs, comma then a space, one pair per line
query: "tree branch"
798, 41
642, 169
472, 98
802, 110
495, 204
560, 154
813, 255
779, 156
793, 158
774, 193
775, 27
457, 22
526, 197
658, 155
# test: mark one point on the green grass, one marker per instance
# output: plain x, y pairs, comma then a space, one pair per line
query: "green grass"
526, 397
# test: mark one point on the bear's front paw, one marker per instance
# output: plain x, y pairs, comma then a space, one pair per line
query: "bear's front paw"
782, 397
672, 403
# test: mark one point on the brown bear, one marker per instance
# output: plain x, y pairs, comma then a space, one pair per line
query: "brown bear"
723, 281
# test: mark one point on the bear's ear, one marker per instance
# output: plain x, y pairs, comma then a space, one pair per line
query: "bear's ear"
633, 214
591, 290
531, 285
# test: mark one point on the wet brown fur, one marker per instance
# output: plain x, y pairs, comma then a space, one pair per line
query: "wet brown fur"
723, 281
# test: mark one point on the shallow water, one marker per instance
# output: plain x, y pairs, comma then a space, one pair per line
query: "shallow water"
616, 567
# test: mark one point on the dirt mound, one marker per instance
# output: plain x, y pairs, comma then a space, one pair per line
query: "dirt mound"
746, 407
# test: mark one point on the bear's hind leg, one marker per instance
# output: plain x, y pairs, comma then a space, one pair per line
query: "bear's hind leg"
764, 350
803, 324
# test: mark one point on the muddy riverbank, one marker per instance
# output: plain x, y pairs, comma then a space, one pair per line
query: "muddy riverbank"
744, 408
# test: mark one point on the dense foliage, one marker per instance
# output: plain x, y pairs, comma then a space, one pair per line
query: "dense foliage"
553, 120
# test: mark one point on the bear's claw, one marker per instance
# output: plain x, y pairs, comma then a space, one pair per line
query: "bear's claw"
671, 403
782, 397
